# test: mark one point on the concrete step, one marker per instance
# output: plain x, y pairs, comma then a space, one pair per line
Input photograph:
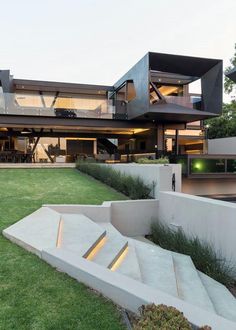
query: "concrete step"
222, 299
114, 246
189, 284
79, 234
36, 231
157, 268
144, 240
130, 265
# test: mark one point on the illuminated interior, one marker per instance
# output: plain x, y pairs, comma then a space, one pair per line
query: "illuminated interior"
61, 100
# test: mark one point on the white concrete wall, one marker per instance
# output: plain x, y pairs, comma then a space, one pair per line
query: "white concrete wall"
160, 176
133, 218
209, 186
211, 220
223, 146
98, 213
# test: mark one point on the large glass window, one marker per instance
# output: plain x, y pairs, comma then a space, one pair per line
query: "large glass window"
60, 100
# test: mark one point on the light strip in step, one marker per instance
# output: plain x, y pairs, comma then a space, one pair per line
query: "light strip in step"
118, 262
96, 249
59, 234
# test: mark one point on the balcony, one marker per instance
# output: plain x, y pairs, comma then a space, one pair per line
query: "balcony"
56, 105
191, 101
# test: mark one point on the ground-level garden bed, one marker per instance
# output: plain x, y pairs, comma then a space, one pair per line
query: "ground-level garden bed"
32, 294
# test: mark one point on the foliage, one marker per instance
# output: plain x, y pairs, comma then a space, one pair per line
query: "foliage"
33, 295
225, 125
132, 186
161, 317
229, 85
203, 255
162, 160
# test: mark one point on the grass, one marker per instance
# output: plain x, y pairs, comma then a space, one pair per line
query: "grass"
33, 295
203, 255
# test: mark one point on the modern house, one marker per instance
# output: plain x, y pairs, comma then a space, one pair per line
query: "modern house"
150, 110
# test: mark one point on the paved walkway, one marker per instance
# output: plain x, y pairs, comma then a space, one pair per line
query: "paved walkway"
37, 165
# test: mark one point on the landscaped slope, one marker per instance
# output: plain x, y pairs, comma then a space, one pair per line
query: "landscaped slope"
32, 294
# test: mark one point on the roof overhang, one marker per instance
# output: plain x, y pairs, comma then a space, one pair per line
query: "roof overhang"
172, 113
179, 64
38, 85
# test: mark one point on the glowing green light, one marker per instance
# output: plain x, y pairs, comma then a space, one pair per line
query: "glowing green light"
198, 166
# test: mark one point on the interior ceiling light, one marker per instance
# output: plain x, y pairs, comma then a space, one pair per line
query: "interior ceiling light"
26, 131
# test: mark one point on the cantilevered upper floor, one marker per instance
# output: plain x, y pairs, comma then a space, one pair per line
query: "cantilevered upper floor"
154, 90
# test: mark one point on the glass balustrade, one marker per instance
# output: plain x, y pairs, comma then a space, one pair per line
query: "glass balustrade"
56, 105
192, 102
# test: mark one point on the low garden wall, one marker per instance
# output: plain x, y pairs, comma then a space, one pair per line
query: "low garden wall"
158, 175
211, 220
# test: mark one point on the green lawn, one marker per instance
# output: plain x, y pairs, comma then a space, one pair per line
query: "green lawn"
32, 294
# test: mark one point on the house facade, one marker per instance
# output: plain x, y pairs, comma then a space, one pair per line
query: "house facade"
150, 111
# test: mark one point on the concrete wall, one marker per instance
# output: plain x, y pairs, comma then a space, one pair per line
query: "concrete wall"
211, 220
209, 186
133, 218
160, 176
223, 146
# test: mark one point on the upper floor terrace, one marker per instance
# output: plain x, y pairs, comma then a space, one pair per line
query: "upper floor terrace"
156, 89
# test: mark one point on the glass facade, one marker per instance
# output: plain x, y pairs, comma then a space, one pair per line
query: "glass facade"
56, 104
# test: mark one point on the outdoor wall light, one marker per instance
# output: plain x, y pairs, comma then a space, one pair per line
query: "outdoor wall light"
26, 131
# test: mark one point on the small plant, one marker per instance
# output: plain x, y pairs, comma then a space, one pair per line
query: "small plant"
203, 255
162, 160
161, 317
132, 186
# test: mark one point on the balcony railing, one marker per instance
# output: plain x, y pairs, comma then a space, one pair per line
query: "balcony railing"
192, 102
55, 106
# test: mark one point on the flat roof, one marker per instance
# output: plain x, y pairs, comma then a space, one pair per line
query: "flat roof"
41, 85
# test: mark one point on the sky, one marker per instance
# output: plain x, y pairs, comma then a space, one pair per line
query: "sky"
97, 41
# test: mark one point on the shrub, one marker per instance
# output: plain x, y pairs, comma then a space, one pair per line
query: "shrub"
162, 160
202, 253
161, 317
131, 186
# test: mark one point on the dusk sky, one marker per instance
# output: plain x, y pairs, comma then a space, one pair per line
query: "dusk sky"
96, 41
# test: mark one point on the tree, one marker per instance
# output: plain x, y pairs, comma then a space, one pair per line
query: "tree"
229, 85
225, 125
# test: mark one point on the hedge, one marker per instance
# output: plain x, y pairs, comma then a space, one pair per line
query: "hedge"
131, 186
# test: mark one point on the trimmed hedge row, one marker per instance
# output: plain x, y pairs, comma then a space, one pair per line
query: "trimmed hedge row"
162, 160
132, 186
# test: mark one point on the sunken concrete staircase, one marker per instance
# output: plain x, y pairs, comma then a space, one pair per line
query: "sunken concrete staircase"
79, 246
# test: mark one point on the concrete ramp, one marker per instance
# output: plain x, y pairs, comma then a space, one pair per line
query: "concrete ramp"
36, 231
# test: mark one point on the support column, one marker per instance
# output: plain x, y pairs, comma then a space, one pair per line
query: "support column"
160, 143
95, 151
176, 142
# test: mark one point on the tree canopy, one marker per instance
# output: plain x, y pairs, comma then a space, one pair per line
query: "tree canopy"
225, 125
